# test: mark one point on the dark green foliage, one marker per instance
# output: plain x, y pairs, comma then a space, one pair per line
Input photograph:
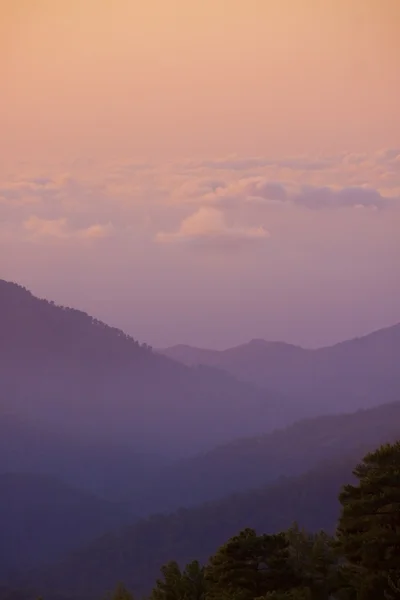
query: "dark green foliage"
175, 584
248, 566
194, 580
369, 526
170, 586
314, 559
300, 593
361, 563
121, 593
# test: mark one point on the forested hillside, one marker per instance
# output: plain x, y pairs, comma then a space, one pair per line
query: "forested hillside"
264, 559
97, 430
136, 554
69, 371
42, 519
109, 468
252, 462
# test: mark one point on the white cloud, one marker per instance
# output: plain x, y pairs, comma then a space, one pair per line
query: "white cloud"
208, 225
60, 228
80, 201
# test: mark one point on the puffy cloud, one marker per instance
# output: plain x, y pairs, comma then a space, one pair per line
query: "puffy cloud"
388, 155
265, 191
230, 193
47, 227
72, 201
208, 226
60, 228
328, 197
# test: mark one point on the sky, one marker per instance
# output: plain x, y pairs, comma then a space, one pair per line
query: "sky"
204, 172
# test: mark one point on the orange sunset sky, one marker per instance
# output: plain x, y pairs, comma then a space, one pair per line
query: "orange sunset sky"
204, 171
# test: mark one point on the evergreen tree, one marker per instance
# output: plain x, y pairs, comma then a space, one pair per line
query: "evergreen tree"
175, 584
249, 566
369, 526
314, 560
194, 582
170, 586
121, 593
293, 594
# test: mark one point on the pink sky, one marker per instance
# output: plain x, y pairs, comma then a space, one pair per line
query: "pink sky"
204, 172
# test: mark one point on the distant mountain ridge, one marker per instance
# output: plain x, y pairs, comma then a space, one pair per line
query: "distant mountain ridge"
68, 371
309, 462
100, 468
357, 373
41, 519
253, 462
135, 554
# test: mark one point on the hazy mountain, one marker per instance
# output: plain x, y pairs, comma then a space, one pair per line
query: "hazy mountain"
111, 470
358, 373
63, 368
41, 519
135, 554
249, 463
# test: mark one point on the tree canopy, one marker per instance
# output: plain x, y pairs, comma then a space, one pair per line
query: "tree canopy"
369, 527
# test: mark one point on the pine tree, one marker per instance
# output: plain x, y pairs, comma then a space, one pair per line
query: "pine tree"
248, 566
121, 593
369, 526
175, 584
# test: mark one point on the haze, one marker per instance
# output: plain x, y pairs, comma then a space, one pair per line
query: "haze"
204, 172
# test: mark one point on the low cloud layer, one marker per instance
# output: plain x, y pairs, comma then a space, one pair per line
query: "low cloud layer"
208, 226
228, 199
313, 197
60, 228
212, 250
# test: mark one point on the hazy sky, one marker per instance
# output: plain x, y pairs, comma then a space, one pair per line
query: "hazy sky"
204, 171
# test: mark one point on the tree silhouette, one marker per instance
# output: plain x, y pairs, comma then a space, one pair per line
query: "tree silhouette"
369, 527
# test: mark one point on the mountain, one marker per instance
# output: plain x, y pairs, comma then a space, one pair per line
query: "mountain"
358, 373
245, 357
135, 554
67, 371
251, 462
111, 470
41, 519
236, 467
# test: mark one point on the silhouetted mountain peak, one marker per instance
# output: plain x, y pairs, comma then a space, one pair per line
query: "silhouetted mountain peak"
356, 373
68, 369
259, 342
271, 345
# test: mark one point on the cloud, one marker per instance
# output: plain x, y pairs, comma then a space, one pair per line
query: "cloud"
388, 155
264, 191
97, 231
230, 193
60, 228
236, 163
328, 197
71, 201
208, 226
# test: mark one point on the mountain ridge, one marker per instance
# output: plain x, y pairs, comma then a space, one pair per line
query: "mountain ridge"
73, 372
350, 375
135, 554
42, 518
265, 342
